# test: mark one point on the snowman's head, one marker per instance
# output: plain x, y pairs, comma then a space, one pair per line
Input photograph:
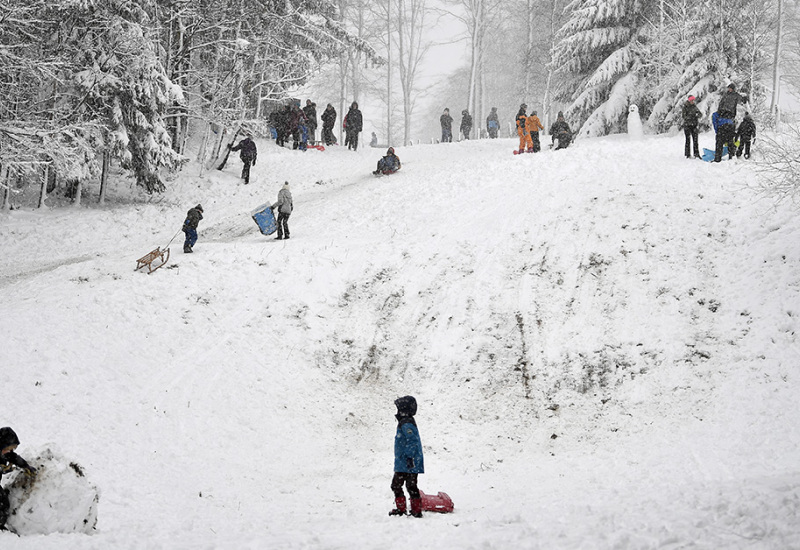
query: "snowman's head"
633, 109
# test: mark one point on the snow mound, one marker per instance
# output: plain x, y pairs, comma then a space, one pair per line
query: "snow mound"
60, 499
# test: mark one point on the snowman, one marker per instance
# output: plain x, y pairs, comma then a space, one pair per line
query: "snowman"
635, 130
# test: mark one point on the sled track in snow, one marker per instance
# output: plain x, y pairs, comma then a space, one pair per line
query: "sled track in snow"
7, 279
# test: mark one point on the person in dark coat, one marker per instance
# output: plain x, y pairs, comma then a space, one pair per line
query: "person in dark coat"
193, 217
389, 164
726, 122
297, 120
746, 134
310, 110
8, 459
466, 123
328, 122
560, 131
492, 123
408, 459
248, 152
353, 124
284, 205
691, 116
447, 126
282, 127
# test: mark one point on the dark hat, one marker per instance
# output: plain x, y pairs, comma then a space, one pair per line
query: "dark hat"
406, 406
732, 87
533, 113
199, 207
8, 437
523, 106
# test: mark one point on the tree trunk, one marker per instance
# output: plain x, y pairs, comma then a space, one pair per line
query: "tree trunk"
104, 176
6, 184
43, 190
773, 107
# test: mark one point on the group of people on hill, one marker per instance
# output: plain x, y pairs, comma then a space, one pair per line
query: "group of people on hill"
300, 125
446, 122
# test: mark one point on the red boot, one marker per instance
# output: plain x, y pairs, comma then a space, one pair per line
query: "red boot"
400, 507
416, 507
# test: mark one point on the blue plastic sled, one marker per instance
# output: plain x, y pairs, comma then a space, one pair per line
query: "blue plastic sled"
265, 219
708, 154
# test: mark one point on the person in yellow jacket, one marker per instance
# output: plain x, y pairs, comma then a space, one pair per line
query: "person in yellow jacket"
533, 125
524, 136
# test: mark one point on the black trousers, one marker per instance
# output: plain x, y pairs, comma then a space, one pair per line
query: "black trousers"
410, 481
725, 135
691, 134
352, 140
283, 225
744, 145
327, 135
535, 140
246, 170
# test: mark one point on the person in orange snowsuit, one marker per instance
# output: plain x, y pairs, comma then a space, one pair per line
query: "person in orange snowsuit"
533, 125
524, 136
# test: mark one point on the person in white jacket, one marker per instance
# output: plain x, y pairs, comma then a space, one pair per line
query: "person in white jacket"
285, 207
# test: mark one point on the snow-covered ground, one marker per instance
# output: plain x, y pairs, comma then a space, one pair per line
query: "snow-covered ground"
602, 342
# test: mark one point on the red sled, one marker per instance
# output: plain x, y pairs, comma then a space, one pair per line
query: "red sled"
439, 503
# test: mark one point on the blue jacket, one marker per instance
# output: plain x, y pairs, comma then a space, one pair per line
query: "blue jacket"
408, 449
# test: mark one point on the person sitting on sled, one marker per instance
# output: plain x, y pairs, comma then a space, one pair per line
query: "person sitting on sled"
388, 164
8, 459
408, 459
193, 217
561, 132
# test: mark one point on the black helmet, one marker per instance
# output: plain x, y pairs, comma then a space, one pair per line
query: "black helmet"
406, 406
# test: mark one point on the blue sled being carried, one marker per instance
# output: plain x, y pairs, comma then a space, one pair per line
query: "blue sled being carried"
265, 219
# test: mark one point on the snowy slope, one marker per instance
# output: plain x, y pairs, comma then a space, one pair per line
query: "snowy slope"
602, 341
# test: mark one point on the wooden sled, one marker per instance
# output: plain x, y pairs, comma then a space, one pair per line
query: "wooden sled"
153, 260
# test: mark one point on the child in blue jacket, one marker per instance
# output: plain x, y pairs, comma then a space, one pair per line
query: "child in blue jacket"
408, 459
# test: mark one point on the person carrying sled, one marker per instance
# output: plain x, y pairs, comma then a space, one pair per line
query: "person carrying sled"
328, 122
492, 124
353, 124
466, 123
193, 217
725, 124
310, 111
285, 207
8, 459
691, 117
447, 126
746, 134
408, 458
248, 153
560, 131
389, 164
533, 125
524, 138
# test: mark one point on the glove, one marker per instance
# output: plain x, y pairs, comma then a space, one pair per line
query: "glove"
183, 229
254, 162
30, 471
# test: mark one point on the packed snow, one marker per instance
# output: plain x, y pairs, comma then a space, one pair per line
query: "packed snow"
602, 342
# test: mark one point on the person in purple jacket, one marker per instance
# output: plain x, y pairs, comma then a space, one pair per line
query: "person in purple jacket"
408, 459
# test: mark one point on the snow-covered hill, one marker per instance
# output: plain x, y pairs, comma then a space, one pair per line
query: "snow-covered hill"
602, 341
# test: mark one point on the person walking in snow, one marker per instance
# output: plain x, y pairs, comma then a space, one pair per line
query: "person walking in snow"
492, 124
8, 459
328, 122
408, 459
746, 134
389, 164
726, 122
310, 110
447, 126
248, 153
522, 130
560, 131
284, 206
533, 125
353, 124
691, 116
466, 123
193, 217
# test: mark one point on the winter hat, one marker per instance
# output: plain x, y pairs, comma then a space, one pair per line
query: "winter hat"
533, 113
199, 207
732, 87
286, 184
8, 437
406, 406
390, 151
560, 114
446, 110
523, 106
691, 98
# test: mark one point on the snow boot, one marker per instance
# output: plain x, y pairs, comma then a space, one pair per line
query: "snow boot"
400, 507
416, 507
187, 249
521, 151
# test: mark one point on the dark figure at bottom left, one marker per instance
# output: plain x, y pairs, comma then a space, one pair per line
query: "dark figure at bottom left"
193, 217
8, 459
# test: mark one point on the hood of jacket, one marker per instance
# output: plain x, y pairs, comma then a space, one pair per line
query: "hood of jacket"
8, 438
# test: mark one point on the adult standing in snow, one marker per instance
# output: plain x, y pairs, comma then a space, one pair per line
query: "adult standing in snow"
282, 125
522, 129
408, 459
353, 125
248, 153
8, 458
328, 122
560, 131
726, 122
492, 124
285, 207
447, 126
310, 110
533, 125
746, 134
691, 116
297, 120
466, 123
193, 217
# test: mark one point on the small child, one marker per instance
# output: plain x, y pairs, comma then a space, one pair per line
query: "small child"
408, 459
388, 164
8, 459
746, 134
193, 217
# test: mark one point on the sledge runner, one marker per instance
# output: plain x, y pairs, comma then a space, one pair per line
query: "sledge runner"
285, 207
408, 459
691, 116
389, 164
560, 131
193, 217
746, 134
8, 459
248, 152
